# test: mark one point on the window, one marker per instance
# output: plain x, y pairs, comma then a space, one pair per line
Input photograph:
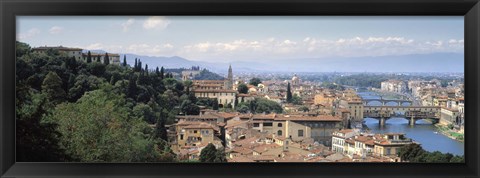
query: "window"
181, 137
256, 125
279, 133
300, 133
279, 125
195, 131
267, 124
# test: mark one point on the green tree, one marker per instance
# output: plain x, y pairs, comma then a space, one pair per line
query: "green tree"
22, 49
458, 159
52, 87
89, 57
210, 154
135, 65
215, 104
303, 108
242, 88
124, 60
242, 108
255, 81
289, 93
160, 129
106, 59
145, 112
297, 100
263, 105
97, 128
411, 152
220, 156
132, 87
189, 108
36, 140
162, 73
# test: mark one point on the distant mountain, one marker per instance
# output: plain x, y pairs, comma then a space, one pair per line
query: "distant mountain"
435, 62
94, 51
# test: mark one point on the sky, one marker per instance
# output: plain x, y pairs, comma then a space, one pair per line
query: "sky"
248, 38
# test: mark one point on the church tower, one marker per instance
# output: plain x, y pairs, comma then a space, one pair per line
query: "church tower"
230, 74
229, 82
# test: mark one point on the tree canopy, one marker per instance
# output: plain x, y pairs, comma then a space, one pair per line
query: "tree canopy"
77, 110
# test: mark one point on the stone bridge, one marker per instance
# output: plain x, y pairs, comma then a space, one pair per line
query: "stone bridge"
384, 101
413, 113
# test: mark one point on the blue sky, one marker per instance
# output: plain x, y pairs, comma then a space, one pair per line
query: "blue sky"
247, 38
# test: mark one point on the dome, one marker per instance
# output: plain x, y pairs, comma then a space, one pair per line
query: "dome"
295, 78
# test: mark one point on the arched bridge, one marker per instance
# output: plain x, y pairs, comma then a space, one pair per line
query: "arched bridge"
413, 113
384, 101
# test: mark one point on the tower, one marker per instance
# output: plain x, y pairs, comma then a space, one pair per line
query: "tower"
229, 78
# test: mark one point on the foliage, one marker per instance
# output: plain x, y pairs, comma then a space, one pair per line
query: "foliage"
303, 108
297, 100
242, 88
52, 87
332, 86
415, 153
100, 128
74, 110
207, 75
210, 154
259, 105
289, 93
255, 81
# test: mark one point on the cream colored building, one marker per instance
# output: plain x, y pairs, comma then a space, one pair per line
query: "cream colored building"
112, 57
194, 133
324, 99
338, 140
224, 97
299, 127
397, 86
70, 52
389, 144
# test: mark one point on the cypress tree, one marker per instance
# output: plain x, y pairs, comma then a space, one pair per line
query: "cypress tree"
135, 66
106, 59
124, 60
139, 67
160, 130
208, 154
146, 69
162, 71
289, 93
89, 57
157, 71
132, 87
98, 58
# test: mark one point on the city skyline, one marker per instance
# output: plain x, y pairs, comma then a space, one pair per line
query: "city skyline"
230, 39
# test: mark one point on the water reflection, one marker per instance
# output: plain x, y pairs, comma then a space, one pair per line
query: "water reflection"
423, 132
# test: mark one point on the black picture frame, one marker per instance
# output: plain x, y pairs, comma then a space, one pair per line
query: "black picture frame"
9, 9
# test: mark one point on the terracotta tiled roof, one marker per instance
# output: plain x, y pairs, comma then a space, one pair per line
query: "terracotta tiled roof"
309, 118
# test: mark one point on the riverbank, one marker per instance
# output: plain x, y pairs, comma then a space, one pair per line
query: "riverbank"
445, 130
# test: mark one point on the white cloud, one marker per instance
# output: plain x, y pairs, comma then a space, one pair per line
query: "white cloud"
156, 22
126, 25
56, 30
311, 47
30, 33
277, 48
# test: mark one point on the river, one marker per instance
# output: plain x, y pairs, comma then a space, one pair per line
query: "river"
422, 132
